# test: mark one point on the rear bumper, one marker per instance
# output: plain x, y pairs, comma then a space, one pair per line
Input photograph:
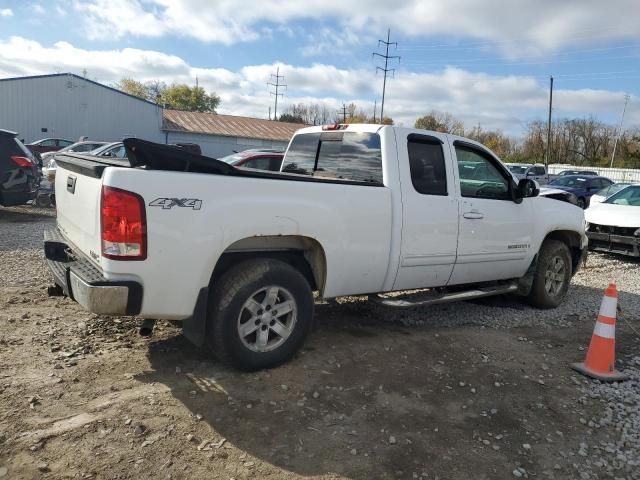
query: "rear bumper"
622, 244
11, 199
85, 283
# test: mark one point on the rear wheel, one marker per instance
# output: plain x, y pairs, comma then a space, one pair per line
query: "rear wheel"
553, 275
260, 314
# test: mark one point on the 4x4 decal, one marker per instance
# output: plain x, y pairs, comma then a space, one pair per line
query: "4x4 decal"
167, 203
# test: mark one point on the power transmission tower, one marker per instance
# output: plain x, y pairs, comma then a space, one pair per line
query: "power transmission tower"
548, 152
344, 113
615, 143
385, 70
276, 78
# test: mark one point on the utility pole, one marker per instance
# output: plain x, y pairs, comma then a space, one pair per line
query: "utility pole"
375, 106
344, 113
548, 152
615, 143
385, 70
276, 78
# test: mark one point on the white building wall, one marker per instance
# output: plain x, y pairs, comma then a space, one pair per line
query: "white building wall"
70, 107
217, 146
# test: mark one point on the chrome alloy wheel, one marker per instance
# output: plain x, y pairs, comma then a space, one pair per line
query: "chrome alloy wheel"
267, 319
554, 276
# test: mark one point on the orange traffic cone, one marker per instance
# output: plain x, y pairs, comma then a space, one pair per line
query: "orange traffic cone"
601, 356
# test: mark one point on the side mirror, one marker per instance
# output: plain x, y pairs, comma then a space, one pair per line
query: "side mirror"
526, 189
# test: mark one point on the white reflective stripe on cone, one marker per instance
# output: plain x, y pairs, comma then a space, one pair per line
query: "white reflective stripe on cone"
608, 307
604, 330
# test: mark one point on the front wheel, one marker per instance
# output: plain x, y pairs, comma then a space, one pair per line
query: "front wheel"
260, 314
552, 276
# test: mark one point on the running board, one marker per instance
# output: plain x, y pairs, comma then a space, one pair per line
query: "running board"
433, 298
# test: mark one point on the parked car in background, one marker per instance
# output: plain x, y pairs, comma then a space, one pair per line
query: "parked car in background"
48, 145
557, 194
564, 173
582, 186
602, 195
614, 224
536, 172
78, 147
113, 150
18, 171
260, 159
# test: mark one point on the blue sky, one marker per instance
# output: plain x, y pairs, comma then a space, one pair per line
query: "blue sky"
485, 62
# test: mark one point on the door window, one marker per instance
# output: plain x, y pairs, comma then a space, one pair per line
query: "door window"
426, 163
479, 175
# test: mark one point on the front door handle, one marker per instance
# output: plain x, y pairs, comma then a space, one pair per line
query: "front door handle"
473, 215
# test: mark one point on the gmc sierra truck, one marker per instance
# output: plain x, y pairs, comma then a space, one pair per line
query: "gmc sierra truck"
236, 254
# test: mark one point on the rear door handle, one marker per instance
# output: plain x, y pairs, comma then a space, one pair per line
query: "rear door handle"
473, 215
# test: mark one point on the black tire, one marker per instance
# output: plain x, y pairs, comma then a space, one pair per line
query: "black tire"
43, 201
582, 203
549, 291
228, 309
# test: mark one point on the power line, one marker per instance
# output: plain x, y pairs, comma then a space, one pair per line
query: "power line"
523, 38
385, 70
615, 143
276, 78
483, 63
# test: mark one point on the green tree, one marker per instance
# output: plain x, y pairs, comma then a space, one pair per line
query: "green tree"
191, 99
135, 88
288, 117
178, 96
440, 122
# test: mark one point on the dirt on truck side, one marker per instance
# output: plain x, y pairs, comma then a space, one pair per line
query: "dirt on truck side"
470, 390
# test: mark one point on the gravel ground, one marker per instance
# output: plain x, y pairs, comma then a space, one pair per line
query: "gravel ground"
475, 389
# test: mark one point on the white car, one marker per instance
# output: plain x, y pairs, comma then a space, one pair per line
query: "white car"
614, 224
601, 195
355, 210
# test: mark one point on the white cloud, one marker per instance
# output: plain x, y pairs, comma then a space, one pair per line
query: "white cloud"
505, 102
6, 12
38, 9
517, 28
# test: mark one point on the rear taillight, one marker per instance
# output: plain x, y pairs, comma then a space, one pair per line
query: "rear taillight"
21, 161
123, 225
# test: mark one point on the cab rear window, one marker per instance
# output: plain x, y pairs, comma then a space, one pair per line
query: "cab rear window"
349, 156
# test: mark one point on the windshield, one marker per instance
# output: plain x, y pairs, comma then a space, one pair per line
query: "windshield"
629, 196
574, 182
610, 190
518, 169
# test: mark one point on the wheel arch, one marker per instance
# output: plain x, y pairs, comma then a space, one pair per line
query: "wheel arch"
305, 254
570, 238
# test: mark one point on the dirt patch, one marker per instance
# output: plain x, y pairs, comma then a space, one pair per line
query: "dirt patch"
474, 390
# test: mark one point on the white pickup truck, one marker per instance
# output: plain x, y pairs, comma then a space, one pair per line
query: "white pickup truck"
356, 209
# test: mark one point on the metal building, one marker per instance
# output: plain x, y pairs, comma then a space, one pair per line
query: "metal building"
68, 106
220, 135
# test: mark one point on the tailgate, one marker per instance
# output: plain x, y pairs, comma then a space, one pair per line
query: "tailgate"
78, 195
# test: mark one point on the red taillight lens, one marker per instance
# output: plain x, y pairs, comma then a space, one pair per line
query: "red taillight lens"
124, 225
21, 161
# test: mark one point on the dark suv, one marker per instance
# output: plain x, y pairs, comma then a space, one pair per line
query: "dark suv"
18, 171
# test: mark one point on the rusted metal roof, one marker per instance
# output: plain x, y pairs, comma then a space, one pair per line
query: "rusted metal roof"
228, 125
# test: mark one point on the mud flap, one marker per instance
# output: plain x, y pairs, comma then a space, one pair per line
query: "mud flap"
525, 284
194, 328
